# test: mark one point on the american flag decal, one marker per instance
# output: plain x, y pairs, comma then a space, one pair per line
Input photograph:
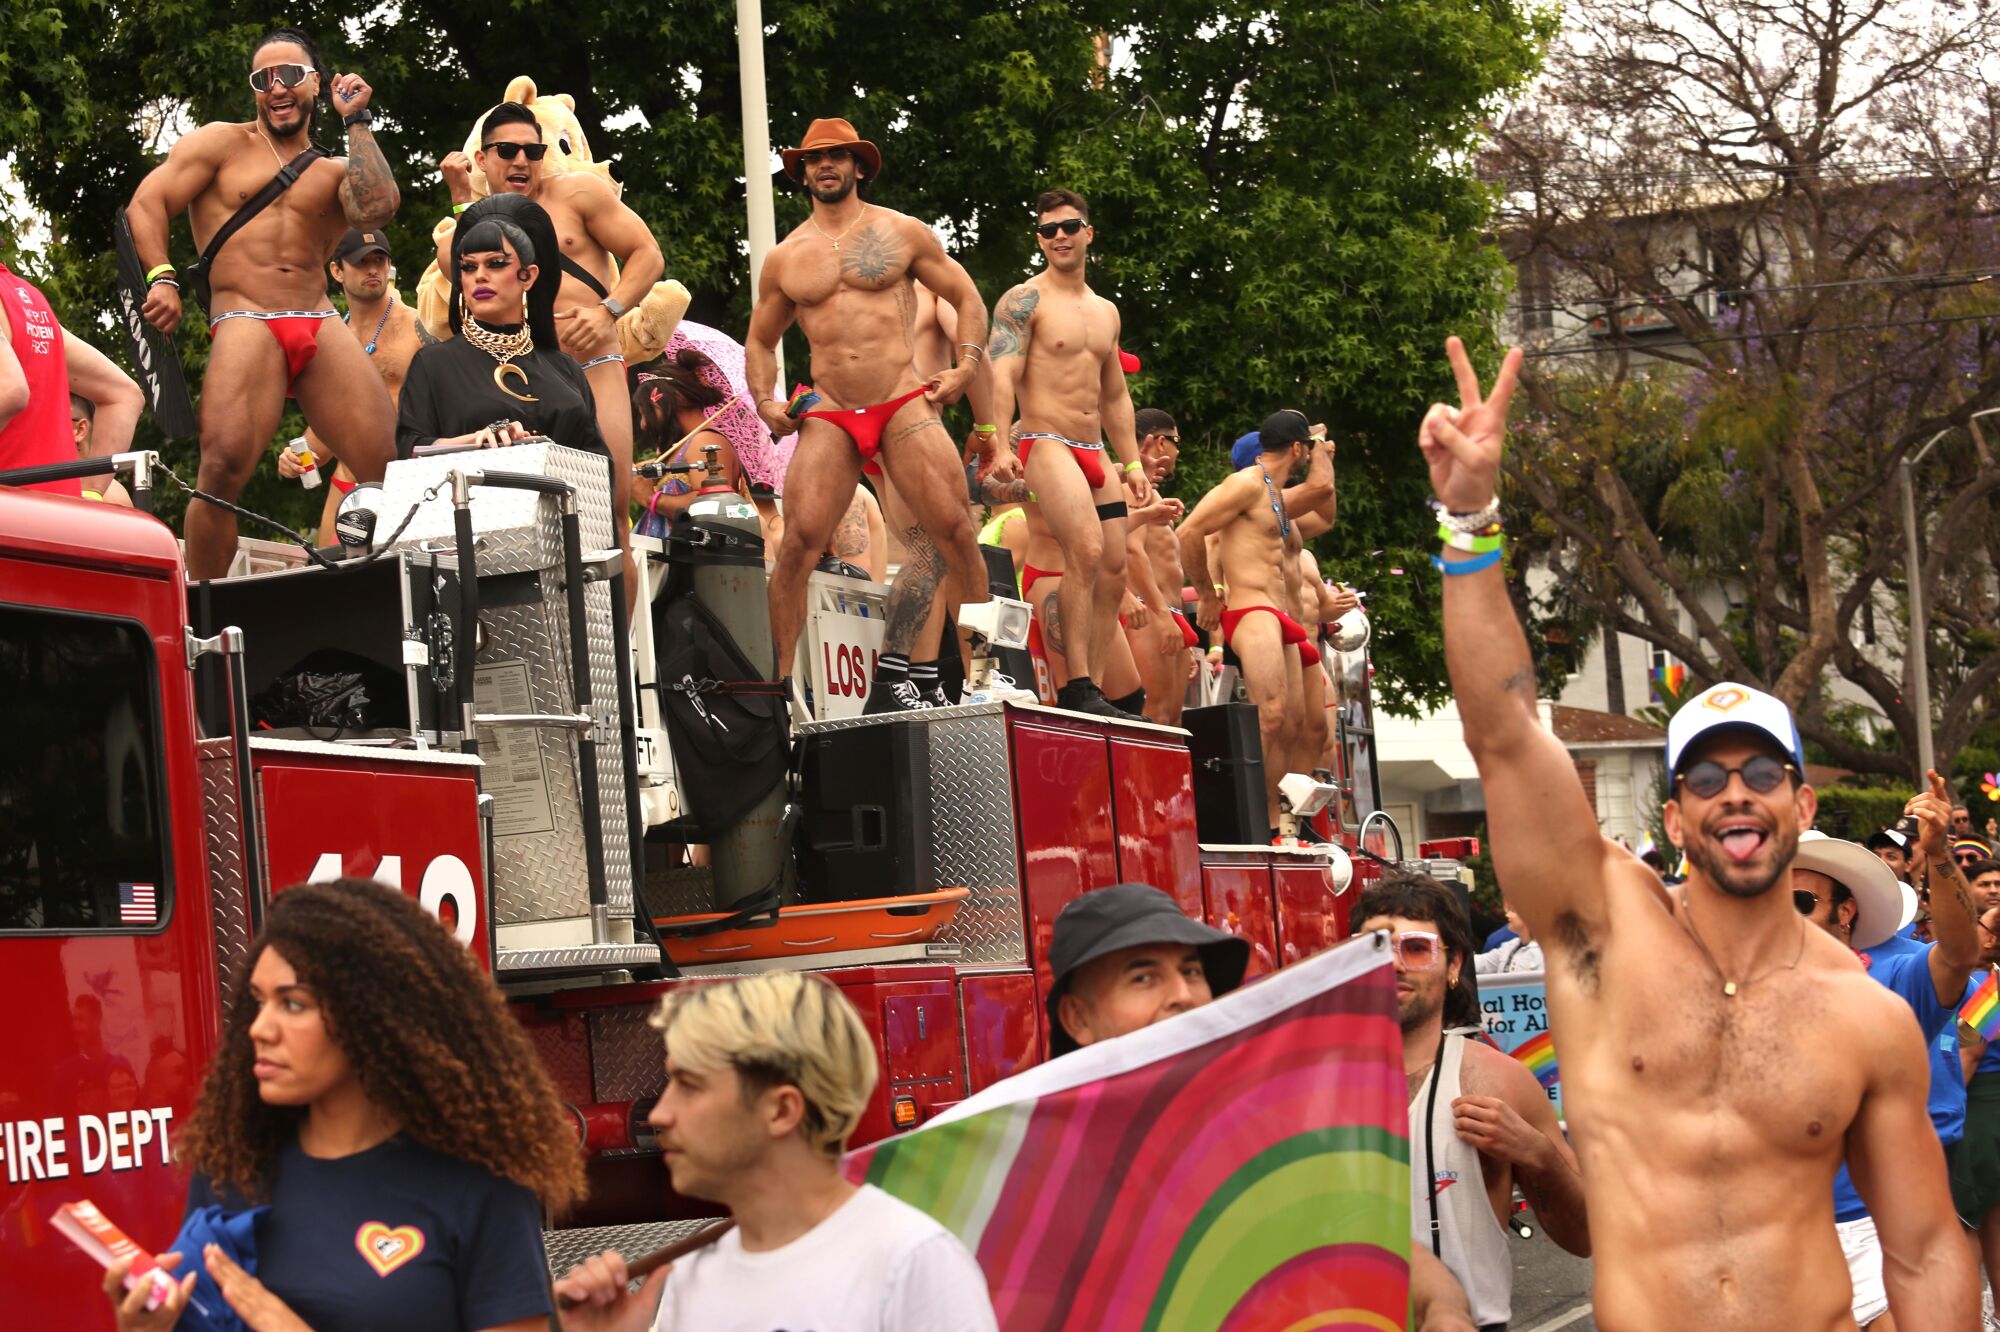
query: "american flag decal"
138, 904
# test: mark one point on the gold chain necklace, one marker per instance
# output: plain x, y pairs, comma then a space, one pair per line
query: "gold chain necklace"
272, 146
1729, 987
503, 347
843, 235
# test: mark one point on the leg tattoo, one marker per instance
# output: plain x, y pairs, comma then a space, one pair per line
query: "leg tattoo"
915, 590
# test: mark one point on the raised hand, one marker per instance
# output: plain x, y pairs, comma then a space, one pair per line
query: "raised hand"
1461, 445
1932, 811
350, 93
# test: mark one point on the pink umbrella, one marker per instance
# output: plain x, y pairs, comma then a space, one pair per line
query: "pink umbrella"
762, 459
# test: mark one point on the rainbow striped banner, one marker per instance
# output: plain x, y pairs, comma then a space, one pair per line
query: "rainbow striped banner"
1538, 1052
1982, 1011
1244, 1167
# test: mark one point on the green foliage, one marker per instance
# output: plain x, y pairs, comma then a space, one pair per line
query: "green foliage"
1286, 208
1855, 812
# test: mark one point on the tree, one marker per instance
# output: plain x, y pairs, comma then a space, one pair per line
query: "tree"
1754, 238
1287, 207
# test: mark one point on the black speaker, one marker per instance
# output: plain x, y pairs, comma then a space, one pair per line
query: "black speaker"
865, 830
1228, 754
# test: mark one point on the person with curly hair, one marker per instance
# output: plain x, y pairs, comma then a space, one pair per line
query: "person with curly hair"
372, 1091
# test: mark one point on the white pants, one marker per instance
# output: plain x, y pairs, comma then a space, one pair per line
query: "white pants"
1863, 1251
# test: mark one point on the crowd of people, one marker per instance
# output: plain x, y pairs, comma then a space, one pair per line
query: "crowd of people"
1770, 1124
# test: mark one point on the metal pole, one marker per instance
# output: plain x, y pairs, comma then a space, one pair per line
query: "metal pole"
1919, 654
756, 149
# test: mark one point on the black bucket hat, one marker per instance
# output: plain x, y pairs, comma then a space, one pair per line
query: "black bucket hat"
1127, 915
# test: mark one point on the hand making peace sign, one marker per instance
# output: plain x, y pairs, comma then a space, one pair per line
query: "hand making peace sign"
1462, 445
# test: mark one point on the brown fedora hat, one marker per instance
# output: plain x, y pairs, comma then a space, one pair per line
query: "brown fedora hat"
833, 133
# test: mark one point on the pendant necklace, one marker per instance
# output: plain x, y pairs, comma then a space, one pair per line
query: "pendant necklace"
376, 336
272, 146
1730, 987
843, 235
1284, 519
503, 347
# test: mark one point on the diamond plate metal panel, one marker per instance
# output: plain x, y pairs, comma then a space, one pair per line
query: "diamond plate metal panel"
582, 956
973, 841
567, 1248
627, 1058
564, 1049
516, 529
229, 908
680, 890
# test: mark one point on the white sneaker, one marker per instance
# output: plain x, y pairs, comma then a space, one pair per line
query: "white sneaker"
1000, 689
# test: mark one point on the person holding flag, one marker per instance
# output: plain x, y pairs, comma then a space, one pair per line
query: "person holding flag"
1975, 1166
1848, 891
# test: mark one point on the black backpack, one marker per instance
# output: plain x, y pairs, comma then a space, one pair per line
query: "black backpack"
726, 723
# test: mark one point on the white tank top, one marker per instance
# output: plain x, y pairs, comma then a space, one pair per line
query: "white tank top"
1474, 1243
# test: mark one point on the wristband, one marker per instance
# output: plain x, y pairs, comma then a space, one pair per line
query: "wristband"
615, 306
163, 282
1488, 517
153, 274
456, 209
972, 348
1132, 466
1474, 543
1459, 568
986, 430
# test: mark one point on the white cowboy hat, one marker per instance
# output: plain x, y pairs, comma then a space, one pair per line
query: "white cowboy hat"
1878, 897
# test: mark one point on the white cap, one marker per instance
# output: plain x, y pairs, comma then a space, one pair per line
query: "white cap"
1878, 897
1733, 705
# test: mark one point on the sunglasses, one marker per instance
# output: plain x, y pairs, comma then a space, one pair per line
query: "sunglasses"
1762, 774
814, 156
509, 151
1418, 950
1069, 226
1806, 902
287, 75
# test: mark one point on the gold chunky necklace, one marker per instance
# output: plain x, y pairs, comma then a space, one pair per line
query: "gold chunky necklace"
1729, 987
503, 347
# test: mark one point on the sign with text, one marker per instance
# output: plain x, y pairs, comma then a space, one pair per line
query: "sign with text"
842, 649
1515, 1008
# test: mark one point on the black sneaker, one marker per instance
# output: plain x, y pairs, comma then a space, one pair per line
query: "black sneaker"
937, 697
1084, 696
886, 696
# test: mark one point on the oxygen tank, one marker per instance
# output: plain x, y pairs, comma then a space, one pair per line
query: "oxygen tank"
726, 574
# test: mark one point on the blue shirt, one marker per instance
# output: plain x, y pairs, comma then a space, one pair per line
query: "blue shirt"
1908, 975
1896, 945
1498, 937
399, 1238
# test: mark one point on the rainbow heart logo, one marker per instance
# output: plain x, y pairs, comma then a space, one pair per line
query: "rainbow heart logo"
388, 1248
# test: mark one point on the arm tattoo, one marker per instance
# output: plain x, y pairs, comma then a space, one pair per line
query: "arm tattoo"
1010, 322
850, 539
1052, 625
368, 193
1004, 492
1521, 682
874, 256
910, 600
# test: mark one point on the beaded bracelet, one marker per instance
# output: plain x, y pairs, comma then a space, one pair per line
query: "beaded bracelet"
1458, 568
1488, 517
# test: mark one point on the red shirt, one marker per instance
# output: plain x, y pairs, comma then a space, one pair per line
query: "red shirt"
41, 433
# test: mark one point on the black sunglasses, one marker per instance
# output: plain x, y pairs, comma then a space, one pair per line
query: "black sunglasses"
1762, 774
288, 75
1806, 902
509, 151
1069, 226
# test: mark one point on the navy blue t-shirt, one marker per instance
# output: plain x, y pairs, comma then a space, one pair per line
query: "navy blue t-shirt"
1909, 976
399, 1238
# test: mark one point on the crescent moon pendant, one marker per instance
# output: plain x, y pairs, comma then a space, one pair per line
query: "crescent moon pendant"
500, 382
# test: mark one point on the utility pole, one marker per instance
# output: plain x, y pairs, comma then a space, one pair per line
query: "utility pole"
756, 148
1918, 658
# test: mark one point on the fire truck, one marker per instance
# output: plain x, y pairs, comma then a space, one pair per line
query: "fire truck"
456, 710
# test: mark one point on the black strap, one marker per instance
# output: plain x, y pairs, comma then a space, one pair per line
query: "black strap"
288, 176
1430, 1147
583, 275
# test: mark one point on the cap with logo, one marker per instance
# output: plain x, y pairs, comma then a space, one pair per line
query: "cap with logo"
357, 244
1733, 707
1902, 834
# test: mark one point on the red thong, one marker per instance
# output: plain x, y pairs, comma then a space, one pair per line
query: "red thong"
864, 425
344, 486
1188, 635
297, 335
1091, 460
1308, 655
1030, 575
1291, 631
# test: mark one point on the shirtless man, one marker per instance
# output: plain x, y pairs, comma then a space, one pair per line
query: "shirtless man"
1055, 356
1161, 637
1719, 1055
846, 275
274, 332
594, 228
1320, 602
389, 333
1255, 519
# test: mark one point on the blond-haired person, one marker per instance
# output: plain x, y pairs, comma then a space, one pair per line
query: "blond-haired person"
766, 1078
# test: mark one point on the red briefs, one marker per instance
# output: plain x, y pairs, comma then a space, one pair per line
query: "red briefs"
1030, 575
1090, 457
297, 332
864, 425
1188, 635
1292, 633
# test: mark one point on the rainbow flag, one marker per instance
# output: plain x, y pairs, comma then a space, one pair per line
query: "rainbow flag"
1241, 1167
1982, 1011
1538, 1052
1668, 681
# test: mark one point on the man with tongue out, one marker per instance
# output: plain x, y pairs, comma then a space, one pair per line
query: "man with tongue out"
1719, 1055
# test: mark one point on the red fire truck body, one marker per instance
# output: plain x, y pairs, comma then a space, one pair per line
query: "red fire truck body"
124, 918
